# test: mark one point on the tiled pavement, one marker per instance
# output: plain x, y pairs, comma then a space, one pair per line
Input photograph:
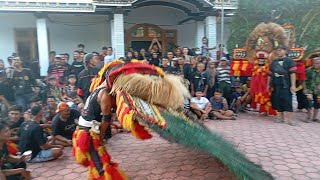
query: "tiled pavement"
285, 151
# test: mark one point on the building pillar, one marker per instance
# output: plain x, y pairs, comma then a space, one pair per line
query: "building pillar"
211, 33
43, 47
200, 33
117, 33
112, 33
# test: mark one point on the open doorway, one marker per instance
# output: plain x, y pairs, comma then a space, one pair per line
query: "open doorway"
26, 44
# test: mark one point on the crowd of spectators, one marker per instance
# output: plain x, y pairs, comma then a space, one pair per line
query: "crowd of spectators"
41, 113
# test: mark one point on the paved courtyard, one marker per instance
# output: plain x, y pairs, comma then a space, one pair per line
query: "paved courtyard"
285, 151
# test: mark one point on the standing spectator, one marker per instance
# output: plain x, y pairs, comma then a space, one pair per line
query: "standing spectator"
77, 64
313, 89
32, 138
156, 47
165, 65
86, 75
135, 54
220, 107
129, 56
224, 79
22, 83
183, 69
154, 60
170, 55
178, 52
6, 93
2, 68
12, 167
11, 68
199, 81
64, 62
205, 46
58, 70
103, 54
81, 48
211, 72
143, 55
282, 79
35, 68
186, 54
110, 56
201, 106
52, 55
220, 52
64, 124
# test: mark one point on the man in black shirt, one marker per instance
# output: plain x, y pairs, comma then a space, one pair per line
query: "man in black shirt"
165, 65
6, 94
22, 80
32, 138
77, 64
199, 80
282, 80
86, 75
64, 124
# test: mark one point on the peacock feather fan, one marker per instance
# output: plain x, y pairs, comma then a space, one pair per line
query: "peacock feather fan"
195, 136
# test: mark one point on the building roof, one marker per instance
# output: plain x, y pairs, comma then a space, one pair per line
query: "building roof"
188, 6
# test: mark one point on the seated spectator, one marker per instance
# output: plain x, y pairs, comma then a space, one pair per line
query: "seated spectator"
201, 106
240, 98
6, 93
220, 107
64, 124
53, 90
31, 138
14, 121
11, 167
50, 108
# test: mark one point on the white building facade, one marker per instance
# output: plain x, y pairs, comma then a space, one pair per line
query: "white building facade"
33, 28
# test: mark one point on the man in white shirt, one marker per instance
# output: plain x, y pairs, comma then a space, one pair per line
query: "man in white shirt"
109, 56
201, 106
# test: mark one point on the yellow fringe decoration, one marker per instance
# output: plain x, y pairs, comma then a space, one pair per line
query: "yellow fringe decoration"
167, 91
96, 82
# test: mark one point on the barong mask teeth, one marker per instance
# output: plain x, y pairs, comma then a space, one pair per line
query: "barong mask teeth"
96, 126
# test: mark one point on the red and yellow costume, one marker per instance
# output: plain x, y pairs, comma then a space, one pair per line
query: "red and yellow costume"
258, 87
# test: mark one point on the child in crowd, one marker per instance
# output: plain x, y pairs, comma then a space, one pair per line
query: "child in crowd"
240, 98
200, 106
220, 107
53, 90
70, 91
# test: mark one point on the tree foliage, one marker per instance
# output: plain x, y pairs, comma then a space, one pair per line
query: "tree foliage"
303, 14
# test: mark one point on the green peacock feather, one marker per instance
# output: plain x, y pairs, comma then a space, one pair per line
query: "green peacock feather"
193, 135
